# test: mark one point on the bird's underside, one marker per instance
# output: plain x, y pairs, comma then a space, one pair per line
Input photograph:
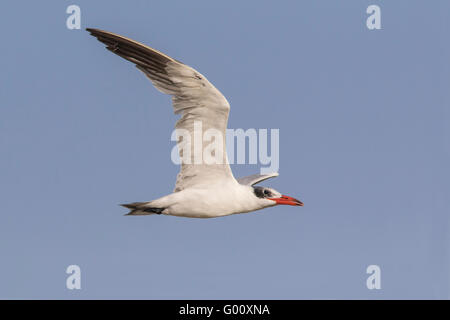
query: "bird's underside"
202, 189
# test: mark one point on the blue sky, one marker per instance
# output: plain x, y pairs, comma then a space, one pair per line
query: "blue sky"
364, 143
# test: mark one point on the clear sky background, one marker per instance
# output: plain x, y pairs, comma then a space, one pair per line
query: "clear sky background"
364, 143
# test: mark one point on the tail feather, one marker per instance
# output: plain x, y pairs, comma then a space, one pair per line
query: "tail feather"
141, 208
134, 205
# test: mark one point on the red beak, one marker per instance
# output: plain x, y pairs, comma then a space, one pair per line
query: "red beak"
287, 201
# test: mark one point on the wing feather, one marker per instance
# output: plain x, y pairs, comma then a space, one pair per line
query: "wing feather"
193, 96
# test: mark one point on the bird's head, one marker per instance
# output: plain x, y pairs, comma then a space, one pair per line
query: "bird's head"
274, 196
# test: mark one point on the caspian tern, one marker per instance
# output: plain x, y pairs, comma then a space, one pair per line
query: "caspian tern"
202, 190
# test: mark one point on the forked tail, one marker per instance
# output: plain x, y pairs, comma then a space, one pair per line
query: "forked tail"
141, 209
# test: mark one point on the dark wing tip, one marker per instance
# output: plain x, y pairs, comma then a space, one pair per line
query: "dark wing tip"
150, 61
92, 31
129, 49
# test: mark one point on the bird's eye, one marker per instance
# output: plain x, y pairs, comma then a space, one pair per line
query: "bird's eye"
266, 192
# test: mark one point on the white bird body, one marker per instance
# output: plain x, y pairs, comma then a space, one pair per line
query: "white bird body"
213, 201
203, 189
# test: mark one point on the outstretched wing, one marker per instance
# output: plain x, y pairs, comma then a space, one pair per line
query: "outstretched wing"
193, 96
256, 178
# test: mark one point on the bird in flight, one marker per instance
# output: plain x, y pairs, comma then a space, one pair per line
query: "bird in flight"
206, 189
